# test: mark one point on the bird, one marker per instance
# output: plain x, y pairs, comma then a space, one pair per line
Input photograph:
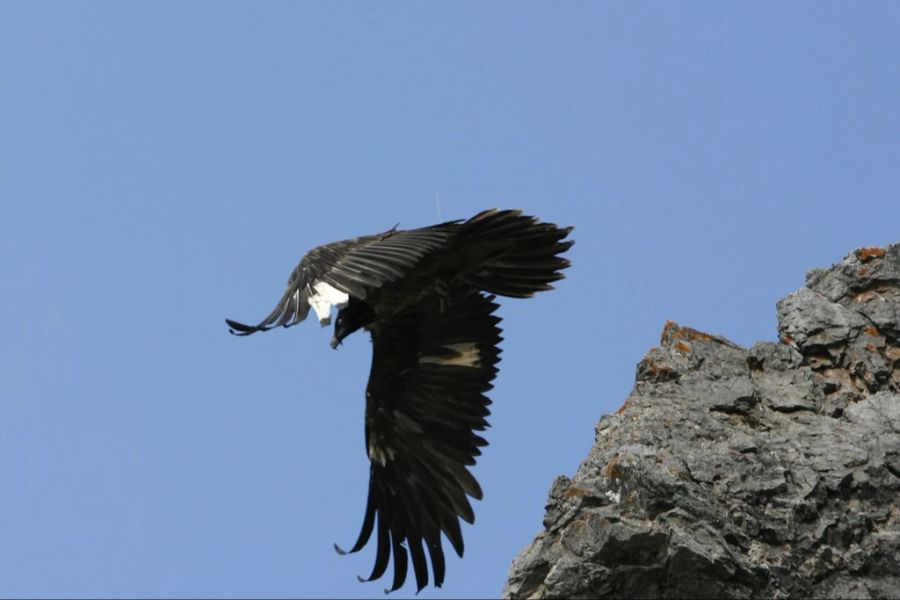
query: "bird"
427, 298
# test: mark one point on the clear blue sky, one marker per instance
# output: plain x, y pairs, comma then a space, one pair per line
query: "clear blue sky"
164, 165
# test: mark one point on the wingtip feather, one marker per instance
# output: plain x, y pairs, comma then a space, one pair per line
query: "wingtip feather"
240, 329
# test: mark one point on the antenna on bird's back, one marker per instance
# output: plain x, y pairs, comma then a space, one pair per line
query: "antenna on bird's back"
437, 203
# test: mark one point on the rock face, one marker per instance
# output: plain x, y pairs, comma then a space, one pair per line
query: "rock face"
730, 472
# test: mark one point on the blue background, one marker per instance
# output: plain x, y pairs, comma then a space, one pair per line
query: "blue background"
164, 165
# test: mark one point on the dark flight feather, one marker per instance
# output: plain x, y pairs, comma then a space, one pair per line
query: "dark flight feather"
416, 457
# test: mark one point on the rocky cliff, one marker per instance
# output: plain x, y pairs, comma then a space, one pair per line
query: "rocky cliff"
731, 472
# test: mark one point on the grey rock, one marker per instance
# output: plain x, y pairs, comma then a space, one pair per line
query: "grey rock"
734, 473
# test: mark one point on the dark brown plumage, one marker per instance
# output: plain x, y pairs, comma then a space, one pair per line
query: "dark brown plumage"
420, 295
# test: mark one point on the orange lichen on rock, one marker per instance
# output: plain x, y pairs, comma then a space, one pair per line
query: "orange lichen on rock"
669, 330
612, 468
625, 405
683, 347
672, 332
867, 254
573, 491
657, 372
876, 293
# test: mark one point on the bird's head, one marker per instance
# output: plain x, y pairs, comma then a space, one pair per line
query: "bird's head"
350, 318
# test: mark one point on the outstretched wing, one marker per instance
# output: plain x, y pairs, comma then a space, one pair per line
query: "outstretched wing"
425, 400
327, 274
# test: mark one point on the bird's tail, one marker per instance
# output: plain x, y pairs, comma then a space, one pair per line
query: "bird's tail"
517, 254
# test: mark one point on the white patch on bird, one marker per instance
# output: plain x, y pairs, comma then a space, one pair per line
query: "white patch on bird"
324, 298
466, 355
380, 455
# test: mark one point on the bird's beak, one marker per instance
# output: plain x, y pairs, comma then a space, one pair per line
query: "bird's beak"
335, 343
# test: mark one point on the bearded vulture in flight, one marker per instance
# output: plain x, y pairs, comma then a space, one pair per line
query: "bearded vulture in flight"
427, 298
